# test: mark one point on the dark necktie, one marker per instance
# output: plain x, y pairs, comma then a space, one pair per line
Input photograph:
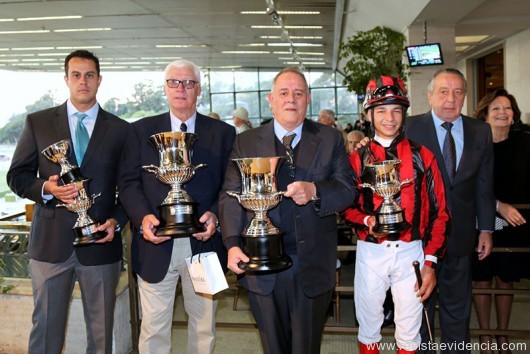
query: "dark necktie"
449, 150
287, 142
81, 137
183, 127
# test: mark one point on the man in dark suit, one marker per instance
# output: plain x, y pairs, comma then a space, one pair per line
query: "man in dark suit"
467, 170
290, 305
55, 264
160, 261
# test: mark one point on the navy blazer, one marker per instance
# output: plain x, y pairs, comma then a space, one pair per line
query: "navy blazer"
51, 232
321, 159
470, 195
141, 192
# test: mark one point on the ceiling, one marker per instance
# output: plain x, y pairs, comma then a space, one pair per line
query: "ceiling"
135, 35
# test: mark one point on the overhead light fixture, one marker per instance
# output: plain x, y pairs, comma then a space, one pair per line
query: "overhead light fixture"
302, 53
303, 63
280, 12
180, 45
292, 37
24, 32
48, 18
252, 45
84, 47
34, 48
245, 52
7, 19
288, 27
82, 30
294, 44
470, 39
52, 54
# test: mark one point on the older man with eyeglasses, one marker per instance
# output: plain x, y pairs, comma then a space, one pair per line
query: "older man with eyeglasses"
159, 261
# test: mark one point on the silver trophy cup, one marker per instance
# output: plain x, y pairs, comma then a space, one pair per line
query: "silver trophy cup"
85, 228
262, 241
178, 212
389, 216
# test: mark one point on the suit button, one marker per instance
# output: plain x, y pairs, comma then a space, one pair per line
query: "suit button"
388, 245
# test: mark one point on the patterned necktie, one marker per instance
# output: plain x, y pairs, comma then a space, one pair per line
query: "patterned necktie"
449, 150
81, 137
183, 127
287, 142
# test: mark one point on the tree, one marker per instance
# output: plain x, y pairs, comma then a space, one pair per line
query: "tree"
370, 54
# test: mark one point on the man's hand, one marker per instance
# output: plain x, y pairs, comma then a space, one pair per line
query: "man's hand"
371, 224
510, 214
236, 255
428, 278
149, 224
65, 193
109, 226
485, 243
301, 192
364, 141
210, 220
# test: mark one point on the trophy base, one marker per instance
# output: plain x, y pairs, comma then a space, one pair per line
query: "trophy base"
265, 253
73, 175
281, 263
179, 220
393, 223
87, 234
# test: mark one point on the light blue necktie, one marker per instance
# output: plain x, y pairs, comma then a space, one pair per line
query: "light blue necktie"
81, 137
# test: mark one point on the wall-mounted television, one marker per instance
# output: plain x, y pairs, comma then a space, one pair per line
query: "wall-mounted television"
425, 54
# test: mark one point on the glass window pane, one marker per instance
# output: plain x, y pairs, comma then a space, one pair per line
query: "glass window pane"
346, 101
223, 104
250, 101
265, 107
322, 99
321, 79
246, 80
221, 81
265, 79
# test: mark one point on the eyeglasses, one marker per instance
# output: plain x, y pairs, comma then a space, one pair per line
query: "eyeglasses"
383, 90
189, 84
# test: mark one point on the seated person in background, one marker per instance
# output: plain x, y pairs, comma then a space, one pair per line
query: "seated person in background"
353, 138
241, 121
385, 260
511, 149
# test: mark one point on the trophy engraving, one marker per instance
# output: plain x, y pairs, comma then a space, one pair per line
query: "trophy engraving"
262, 241
178, 212
389, 216
85, 228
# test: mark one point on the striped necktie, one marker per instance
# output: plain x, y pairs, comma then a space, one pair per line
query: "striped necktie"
449, 150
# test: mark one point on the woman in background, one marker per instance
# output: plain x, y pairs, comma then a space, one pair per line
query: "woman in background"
511, 175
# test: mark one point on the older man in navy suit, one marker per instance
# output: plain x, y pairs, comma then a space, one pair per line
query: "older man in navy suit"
464, 150
290, 305
160, 261
55, 264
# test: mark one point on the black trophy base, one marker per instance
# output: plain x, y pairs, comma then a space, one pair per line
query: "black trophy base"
88, 234
74, 175
177, 224
265, 253
391, 223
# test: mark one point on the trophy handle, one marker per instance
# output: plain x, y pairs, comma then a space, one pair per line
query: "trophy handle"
233, 194
62, 205
94, 196
151, 168
367, 185
199, 166
407, 181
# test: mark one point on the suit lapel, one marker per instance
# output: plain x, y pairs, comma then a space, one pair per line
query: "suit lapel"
308, 145
469, 142
267, 143
98, 135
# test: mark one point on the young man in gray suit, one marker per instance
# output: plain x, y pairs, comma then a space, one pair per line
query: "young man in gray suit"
464, 150
290, 305
55, 264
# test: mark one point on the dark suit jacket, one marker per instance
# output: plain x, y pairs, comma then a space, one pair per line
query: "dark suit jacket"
470, 195
321, 159
51, 229
141, 192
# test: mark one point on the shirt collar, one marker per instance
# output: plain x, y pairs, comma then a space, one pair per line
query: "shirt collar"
280, 132
457, 123
176, 122
91, 113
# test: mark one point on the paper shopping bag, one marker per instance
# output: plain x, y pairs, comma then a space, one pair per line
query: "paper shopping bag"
206, 273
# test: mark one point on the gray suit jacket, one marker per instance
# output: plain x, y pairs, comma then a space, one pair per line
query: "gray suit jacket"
321, 159
470, 195
51, 229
